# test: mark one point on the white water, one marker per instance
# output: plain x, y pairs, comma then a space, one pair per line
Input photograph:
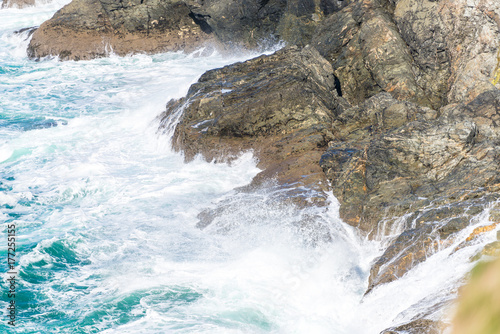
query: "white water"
106, 216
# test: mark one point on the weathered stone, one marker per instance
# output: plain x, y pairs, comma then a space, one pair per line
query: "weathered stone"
423, 30
280, 106
88, 29
421, 326
368, 53
391, 165
428, 52
95, 28
472, 30
393, 159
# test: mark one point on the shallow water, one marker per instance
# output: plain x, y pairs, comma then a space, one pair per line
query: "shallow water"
106, 215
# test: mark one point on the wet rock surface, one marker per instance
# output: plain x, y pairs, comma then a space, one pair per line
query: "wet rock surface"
401, 116
96, 28
90, 29
393, 105
280, 106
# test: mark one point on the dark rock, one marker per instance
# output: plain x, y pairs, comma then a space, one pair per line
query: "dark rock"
26, 32
247, 23
421, 326
90, 29
280, 106
17, 3
427, 52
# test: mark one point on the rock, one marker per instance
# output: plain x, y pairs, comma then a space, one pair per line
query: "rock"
472, 33
95, 28
425, 233
424, 31
428, 52
89, 29
421, 326
17, 3
280, 106
389, 155
422, 175
246, 23
368, 53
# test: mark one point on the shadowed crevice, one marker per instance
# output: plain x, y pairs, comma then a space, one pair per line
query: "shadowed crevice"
201, 22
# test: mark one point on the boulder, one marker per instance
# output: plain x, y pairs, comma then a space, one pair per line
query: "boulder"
279, 106
401, 169
431, 53
95, 28
420, 326
89, 29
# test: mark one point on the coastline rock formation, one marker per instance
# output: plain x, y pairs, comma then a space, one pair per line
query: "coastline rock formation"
90, 29
410, 129
280, 106
394, 105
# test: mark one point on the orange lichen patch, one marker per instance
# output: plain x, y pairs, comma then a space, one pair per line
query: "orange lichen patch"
480, 230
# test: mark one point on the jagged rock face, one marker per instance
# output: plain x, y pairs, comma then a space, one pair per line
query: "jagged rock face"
17, 3
394, 161
89, 29
280, 106
428, 52
421, 326
408, 149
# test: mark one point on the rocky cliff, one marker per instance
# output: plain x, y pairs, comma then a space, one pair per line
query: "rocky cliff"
407, 118
88, 29
394, 105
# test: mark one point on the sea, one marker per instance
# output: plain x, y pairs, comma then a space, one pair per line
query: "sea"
99, 216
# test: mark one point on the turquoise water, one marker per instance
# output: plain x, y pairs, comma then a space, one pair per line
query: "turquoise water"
106, 215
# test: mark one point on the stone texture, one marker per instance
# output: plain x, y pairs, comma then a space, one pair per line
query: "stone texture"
280, 106
428, 52
89, 29
398, 168
421, 326
368, 53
